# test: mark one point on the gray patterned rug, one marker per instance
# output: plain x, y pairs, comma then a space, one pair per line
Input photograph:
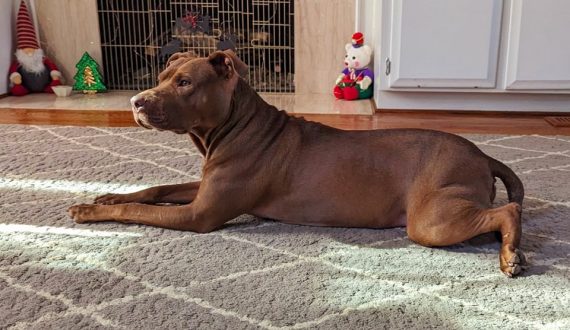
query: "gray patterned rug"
255, 273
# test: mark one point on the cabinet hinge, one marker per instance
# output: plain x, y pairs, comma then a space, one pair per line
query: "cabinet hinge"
388, 66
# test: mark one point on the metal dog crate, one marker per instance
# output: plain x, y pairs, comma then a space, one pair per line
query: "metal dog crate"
138, 36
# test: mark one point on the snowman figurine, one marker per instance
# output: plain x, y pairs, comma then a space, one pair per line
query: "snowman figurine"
356, 79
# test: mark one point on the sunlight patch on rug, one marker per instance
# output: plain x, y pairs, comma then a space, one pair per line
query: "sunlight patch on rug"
62, 248
16, 228
69, 186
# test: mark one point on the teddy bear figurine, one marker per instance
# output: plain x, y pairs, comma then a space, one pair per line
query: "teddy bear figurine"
357, 79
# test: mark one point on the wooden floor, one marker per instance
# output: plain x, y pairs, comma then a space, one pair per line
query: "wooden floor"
455, 122
444, 121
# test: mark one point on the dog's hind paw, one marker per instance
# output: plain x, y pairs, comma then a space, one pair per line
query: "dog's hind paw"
512, 262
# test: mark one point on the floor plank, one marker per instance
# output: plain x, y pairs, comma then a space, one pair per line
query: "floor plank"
482, 123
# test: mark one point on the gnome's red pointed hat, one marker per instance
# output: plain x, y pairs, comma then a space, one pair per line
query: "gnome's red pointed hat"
25, 31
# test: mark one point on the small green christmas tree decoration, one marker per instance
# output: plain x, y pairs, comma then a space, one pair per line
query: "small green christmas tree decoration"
88, 78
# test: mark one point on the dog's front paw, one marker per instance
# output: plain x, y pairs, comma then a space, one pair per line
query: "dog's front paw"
112, 199
82, 213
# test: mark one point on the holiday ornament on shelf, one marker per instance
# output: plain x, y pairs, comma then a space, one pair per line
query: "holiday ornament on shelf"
88, 78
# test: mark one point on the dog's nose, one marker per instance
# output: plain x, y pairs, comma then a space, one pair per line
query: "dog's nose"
138, 101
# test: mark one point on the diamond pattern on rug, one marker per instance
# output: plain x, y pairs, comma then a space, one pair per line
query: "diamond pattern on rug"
255, 273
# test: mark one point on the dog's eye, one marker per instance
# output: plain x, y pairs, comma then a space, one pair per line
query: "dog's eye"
354, 57
183, 82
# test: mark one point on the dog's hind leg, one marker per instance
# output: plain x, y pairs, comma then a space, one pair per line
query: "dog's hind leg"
447, 217
174, 193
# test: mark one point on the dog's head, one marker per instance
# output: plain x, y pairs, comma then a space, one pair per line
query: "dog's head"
192, 93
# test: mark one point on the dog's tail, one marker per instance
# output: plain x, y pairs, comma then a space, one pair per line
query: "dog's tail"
515, 189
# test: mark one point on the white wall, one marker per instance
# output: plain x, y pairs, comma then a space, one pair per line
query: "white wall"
367, 12
6, 44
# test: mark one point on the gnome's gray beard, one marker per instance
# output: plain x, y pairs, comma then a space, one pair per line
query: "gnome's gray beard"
32, 63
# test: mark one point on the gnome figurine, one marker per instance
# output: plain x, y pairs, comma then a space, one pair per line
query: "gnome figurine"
32, 72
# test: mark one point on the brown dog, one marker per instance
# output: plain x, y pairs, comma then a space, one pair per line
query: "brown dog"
261, 161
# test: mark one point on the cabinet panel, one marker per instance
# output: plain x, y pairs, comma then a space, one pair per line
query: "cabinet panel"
539, 45
444, 43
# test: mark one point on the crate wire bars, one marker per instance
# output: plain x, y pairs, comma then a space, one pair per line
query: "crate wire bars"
138, 36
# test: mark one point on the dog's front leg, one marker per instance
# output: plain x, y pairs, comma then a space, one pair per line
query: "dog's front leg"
174, 193
189, 217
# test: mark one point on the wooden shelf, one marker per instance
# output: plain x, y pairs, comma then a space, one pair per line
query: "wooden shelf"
113, 110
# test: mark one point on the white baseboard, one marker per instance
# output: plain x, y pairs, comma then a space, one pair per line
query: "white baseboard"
472, 101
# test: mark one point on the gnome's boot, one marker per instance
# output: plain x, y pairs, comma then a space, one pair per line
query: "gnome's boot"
19, 90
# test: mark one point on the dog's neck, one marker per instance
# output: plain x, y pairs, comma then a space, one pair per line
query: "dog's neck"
245, 102
247, 111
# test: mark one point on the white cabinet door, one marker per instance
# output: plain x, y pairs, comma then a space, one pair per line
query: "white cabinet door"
444, 43
539, 45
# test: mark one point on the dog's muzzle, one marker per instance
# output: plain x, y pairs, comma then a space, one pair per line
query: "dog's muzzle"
147, 110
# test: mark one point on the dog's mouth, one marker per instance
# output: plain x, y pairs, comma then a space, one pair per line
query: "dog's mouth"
142, 120
142, 123
150, 121
155, 118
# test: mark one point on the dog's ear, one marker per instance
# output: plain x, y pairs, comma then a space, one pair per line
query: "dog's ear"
185, 55
225, 65
239, 65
